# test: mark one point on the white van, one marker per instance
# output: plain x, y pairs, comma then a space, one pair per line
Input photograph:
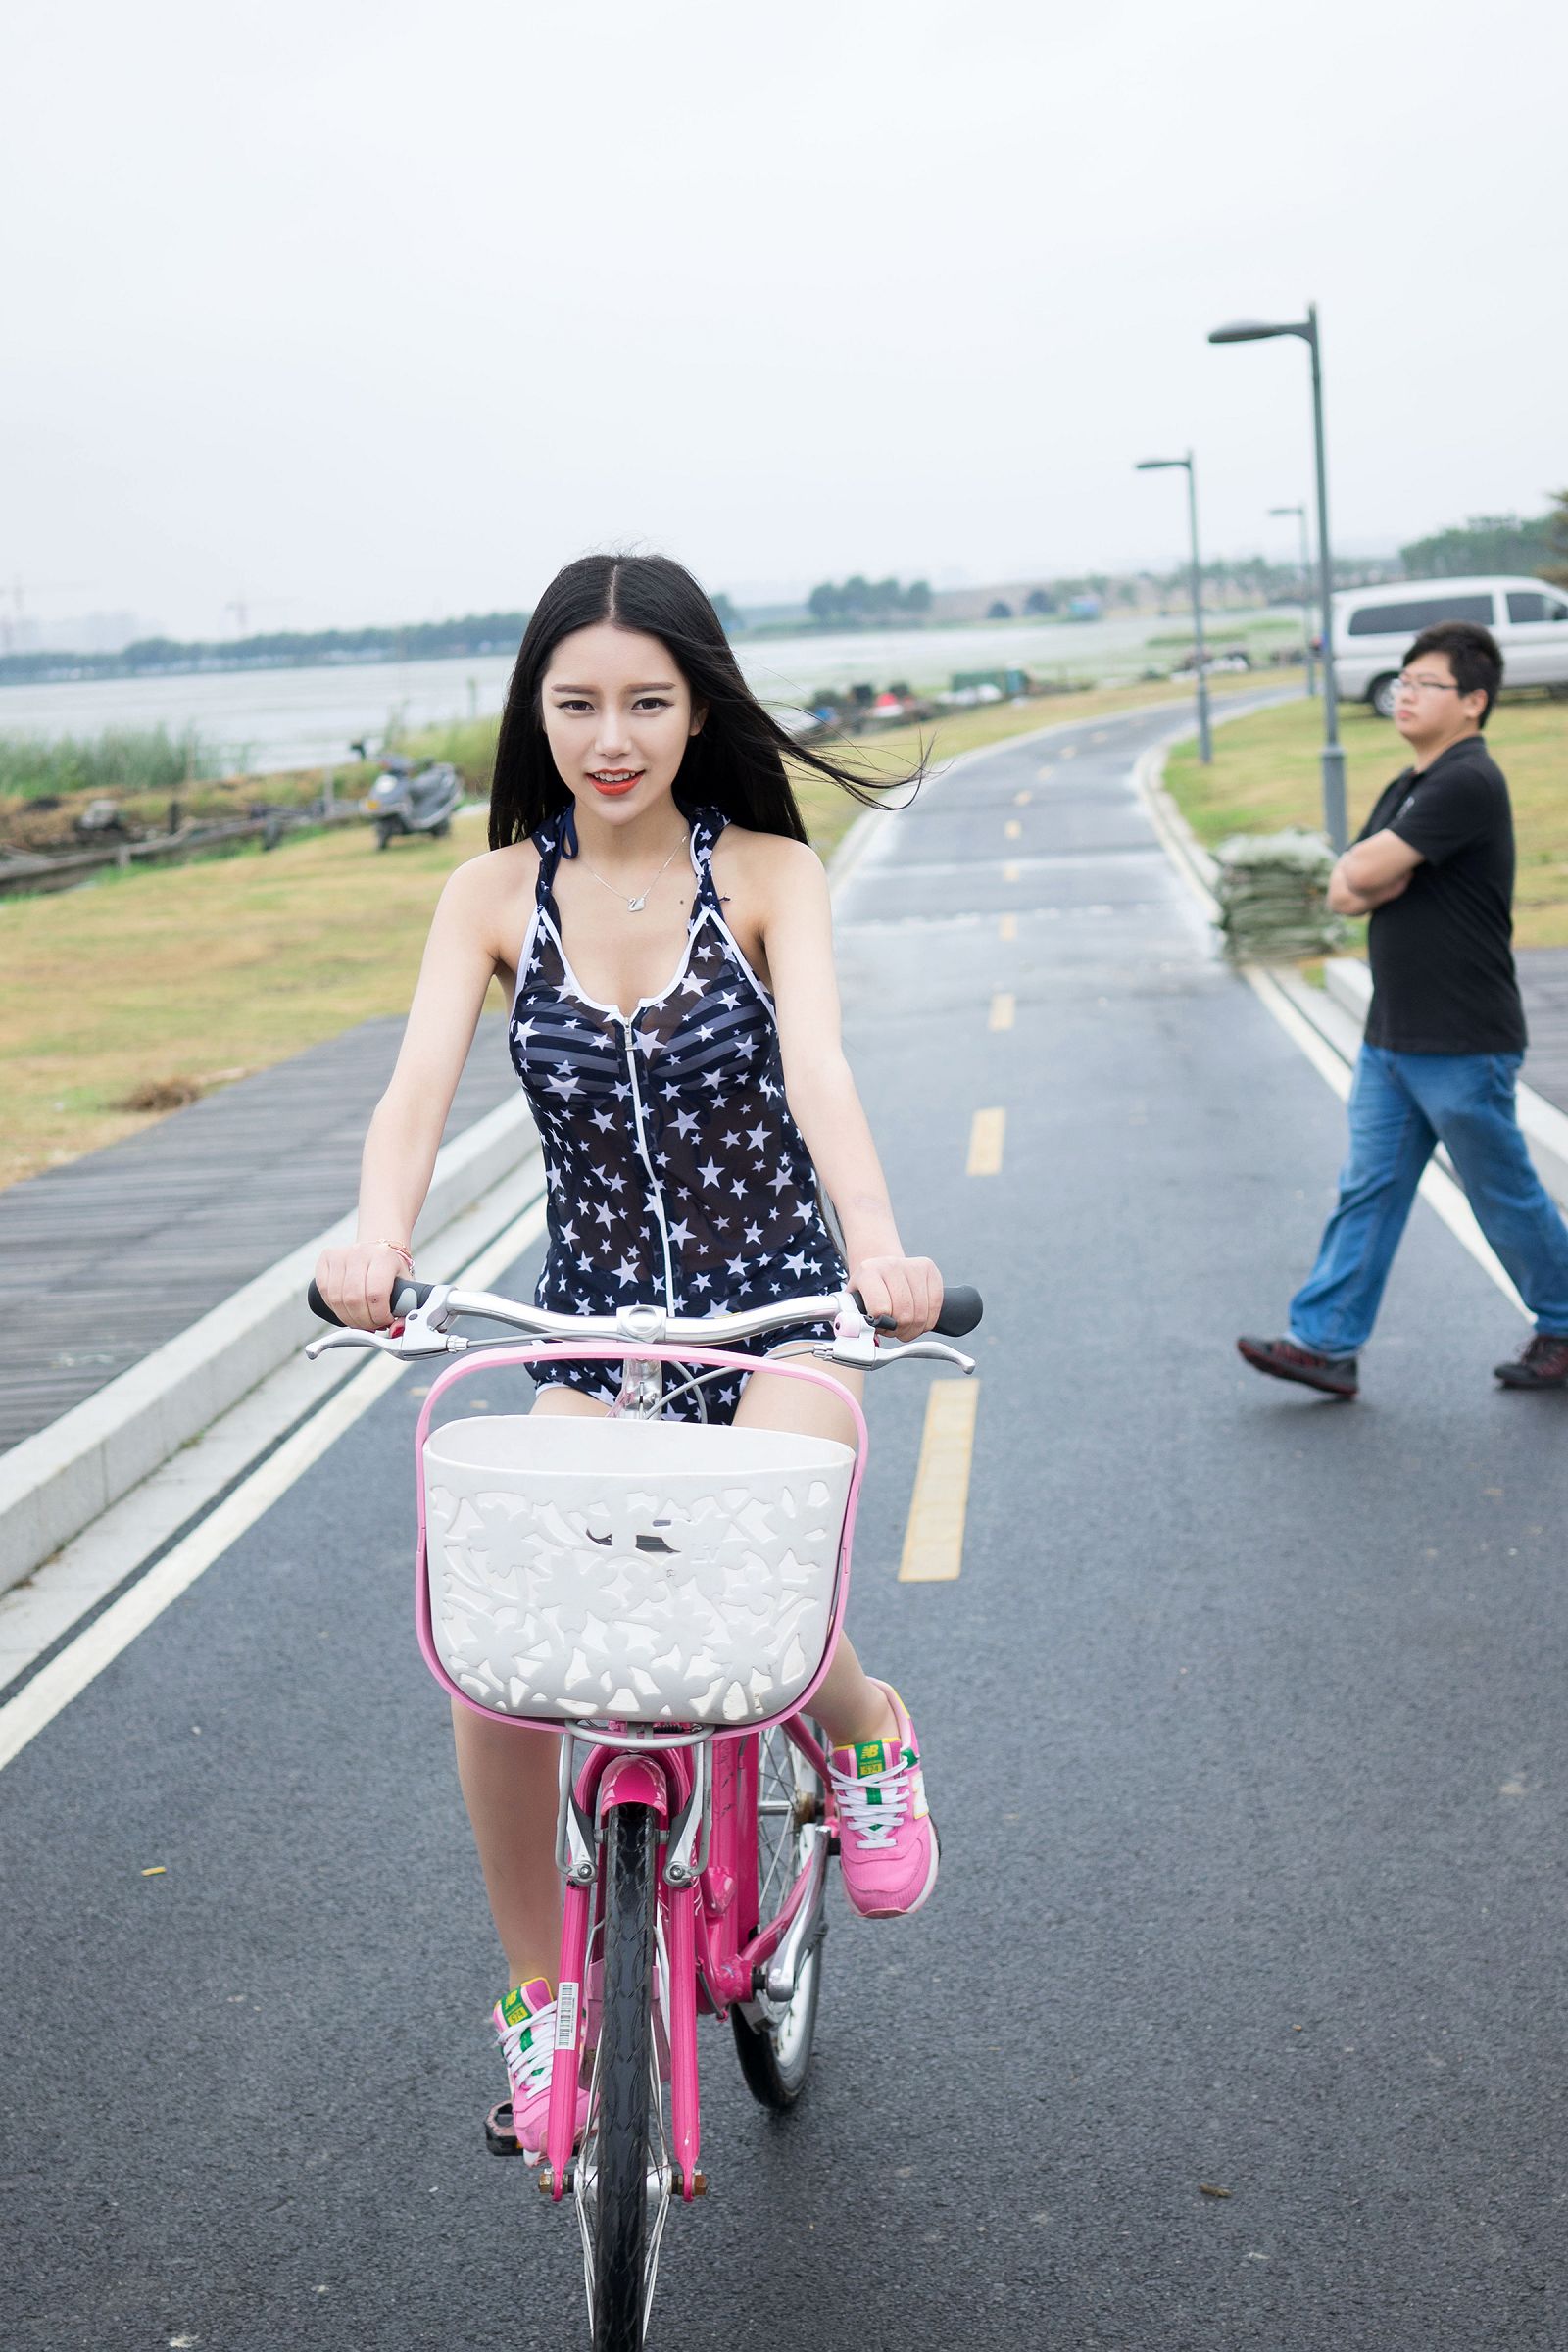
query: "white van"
1373, 628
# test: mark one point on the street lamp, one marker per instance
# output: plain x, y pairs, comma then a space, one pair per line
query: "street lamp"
1257, 330
1205, 745
1307, 591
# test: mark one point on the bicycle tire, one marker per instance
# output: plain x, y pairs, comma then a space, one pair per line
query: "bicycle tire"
614, 2165
775, 2043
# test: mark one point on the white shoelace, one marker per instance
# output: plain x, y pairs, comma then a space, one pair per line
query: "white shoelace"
530, 2070
873, 1818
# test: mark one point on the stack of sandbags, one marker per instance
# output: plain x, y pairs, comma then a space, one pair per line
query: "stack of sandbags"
1273, 896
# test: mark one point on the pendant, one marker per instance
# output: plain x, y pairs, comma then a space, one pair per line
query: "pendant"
636, 905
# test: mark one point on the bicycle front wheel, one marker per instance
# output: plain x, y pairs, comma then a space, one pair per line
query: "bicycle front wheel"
621, 2180
773, 2038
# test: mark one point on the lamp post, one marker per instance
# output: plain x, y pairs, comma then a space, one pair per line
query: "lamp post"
1257, 330
1300, 513
1205, 744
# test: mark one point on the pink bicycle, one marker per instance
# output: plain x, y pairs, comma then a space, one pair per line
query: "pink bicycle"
665, 1595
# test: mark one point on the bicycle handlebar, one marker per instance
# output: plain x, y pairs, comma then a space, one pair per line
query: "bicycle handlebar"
962, 1311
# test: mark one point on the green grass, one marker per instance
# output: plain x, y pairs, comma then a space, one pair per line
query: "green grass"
1265, 774
120, 761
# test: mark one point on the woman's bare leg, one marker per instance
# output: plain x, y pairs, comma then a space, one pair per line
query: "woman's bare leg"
849, 1706
508, 1780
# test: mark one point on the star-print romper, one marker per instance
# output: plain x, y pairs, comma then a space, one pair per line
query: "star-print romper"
675, 1173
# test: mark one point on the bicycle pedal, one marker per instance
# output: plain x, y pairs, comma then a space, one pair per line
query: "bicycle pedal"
499, 2137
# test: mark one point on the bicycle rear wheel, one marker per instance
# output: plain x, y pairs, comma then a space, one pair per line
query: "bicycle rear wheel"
773, 2038
621, 2179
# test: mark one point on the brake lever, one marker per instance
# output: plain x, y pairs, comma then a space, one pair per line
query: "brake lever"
351, 1337
419, 1333
868, 1354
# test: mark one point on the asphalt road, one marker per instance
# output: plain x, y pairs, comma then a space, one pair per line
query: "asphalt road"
1244, 1725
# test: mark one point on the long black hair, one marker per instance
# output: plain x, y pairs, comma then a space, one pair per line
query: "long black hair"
736, 763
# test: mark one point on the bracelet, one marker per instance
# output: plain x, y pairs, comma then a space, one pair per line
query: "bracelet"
397, 1251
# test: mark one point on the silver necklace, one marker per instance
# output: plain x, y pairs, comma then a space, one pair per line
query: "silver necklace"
633, 905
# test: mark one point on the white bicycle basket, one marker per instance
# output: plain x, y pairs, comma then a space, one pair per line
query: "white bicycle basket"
657, 1571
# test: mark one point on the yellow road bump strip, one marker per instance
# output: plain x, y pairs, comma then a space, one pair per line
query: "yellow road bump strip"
933, 1539
1010, 926
985, 1143
1009, 873
1021, 800
1003, 1005
1013, 829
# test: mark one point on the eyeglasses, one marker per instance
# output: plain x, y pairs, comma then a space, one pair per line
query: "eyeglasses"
1406, 684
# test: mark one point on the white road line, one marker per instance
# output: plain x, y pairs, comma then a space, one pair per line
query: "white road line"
67, 1675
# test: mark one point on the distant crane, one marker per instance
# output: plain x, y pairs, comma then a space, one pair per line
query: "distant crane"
18, 592
242, 606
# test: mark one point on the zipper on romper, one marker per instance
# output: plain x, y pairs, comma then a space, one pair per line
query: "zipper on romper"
656, 1196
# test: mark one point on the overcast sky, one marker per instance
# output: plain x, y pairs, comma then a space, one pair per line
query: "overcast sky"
379, 311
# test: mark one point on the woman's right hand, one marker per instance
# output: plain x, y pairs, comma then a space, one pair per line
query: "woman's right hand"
356, 1280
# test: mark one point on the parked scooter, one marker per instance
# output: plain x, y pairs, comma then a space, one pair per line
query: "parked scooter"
406, 800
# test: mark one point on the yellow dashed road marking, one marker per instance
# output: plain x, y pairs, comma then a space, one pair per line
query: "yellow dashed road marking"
1021, 800
1009, 873
1099, 738
985, 1143
1013, 829
1010, 926
1044, 771
933, 1540
1003, 1005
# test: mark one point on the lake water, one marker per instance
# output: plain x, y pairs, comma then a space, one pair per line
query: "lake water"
267, 719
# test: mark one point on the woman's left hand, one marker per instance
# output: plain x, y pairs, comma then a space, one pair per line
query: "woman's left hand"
909, 1289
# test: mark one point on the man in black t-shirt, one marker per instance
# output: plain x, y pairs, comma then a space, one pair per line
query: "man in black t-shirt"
1432, 866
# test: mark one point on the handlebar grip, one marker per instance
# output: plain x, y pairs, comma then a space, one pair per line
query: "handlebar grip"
406, 1297
961, 1310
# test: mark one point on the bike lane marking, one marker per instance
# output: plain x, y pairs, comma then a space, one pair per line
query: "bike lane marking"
933, 1538
68, 1674
987, 1135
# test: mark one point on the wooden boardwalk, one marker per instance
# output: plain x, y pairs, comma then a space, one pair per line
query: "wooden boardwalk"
1544, 983
102, 1260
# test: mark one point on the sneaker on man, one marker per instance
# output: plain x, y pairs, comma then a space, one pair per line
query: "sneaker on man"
524, 2021
886, 1838
1543, 1365
1335, 1375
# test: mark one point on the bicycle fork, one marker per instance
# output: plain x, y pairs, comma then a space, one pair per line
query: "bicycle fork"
674, 1787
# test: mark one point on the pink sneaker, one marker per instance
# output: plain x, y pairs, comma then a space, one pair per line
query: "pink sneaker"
524, 2021
887, 1840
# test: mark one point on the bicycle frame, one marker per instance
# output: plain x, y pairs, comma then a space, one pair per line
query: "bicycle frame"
701, 1784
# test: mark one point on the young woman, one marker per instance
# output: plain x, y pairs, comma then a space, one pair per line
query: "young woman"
662, 930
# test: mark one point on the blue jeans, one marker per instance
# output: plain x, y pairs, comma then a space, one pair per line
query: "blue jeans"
1402, 1106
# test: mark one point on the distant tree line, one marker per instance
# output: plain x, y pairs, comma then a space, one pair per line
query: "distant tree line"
279, 649
852, 601
1537, 545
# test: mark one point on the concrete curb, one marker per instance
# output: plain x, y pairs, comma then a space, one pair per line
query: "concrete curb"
56, 1483
1338, 1010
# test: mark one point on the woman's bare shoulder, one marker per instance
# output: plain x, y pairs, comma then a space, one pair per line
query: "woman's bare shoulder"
491, 894
769, 861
